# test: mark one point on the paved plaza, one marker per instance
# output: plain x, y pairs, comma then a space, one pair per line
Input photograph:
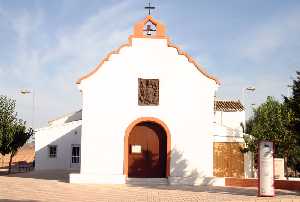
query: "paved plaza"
36, 186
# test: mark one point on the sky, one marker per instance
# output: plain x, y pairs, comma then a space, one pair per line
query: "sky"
45, 46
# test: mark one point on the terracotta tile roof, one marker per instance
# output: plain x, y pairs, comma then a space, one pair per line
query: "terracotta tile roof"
228, 106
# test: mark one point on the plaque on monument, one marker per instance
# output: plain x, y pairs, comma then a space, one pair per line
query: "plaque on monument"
148, 92
266, 169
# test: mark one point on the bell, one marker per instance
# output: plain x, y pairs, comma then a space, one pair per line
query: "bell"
148, 30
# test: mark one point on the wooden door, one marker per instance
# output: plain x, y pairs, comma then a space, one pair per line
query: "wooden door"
147, 151
228, 159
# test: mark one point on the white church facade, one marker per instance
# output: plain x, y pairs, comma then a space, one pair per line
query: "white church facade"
149, 111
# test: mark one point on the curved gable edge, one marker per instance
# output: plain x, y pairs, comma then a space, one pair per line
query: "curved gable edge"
197, 65
180, 52
93, 71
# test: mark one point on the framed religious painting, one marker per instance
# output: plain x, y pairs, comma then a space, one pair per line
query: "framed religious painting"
148, 92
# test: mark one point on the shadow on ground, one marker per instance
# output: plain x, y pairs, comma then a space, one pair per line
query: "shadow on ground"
241, 191
57, 175
11, 200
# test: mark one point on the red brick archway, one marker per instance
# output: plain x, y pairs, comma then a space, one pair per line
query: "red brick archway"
126, 141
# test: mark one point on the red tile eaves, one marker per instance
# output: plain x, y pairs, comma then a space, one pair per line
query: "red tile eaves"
228, 106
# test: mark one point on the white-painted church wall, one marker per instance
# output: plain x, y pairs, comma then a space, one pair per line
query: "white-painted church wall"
110, 104
63, 136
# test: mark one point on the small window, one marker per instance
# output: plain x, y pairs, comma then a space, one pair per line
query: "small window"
52, 151
75, 154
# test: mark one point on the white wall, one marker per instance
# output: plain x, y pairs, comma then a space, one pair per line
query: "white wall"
61, 135
110, 104
227, 126
226, 134
279, 168
248, 165
230, 119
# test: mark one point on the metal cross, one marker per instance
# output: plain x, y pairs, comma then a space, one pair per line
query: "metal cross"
149, 7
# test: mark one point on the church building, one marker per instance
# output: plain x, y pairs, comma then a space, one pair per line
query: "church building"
148, 112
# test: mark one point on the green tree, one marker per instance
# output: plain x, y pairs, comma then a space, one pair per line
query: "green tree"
13, 132
271, 121
293, 103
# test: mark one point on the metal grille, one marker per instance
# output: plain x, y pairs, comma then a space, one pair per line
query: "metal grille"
75, 154
52, 151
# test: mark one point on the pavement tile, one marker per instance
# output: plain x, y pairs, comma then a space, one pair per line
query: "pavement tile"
34, 187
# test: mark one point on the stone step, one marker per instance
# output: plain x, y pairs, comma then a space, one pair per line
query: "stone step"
147, 181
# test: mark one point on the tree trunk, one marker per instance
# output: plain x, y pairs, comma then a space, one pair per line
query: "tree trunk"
285, 166
10, 162
252, 165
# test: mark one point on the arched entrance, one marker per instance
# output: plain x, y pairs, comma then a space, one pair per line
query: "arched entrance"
147, 146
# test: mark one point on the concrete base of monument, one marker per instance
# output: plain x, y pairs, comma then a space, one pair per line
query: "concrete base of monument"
97, 179
212, 181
